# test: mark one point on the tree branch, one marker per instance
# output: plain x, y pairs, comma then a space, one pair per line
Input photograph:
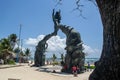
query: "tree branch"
59, 2
78, 6
94, 2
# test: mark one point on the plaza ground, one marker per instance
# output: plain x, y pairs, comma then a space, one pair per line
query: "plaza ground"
26, 72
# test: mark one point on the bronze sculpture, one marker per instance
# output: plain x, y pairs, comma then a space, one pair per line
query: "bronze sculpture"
39, 58
74, 55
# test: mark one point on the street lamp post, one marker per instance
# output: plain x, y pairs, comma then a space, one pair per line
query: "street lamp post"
18, 53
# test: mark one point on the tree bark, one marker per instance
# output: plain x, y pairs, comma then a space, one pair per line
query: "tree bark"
108, 67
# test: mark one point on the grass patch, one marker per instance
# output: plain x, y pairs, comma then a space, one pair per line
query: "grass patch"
91, 67
55, 63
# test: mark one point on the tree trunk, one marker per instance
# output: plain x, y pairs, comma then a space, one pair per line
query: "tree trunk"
108, 67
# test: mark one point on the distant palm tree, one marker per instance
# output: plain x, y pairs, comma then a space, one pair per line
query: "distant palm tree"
54, 57
12, 39
27, 53
0, 51
4, 44
16, 50
22, 53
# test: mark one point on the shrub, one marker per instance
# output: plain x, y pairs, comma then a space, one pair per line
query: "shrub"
55, 63
11, 62
91, 67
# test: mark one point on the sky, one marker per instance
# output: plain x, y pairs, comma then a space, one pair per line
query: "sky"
35, 16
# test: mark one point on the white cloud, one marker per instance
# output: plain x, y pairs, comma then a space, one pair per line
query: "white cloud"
56, 45
34, 41
31, 42
91, 52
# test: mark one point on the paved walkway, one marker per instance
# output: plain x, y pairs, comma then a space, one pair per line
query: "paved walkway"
33, 73
10, 66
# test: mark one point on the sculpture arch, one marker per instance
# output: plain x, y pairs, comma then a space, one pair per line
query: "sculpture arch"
74, 55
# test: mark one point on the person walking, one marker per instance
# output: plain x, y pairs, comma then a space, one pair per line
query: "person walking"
74, 70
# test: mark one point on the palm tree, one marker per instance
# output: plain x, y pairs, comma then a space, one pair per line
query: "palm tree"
0, 51
12, 39
27, 53
5, 44
16, 50
62, 57
6, 47
54, 57
8, 43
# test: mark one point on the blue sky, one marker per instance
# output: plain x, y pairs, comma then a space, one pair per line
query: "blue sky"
35, 17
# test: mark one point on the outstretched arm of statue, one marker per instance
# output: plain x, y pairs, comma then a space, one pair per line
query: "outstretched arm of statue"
56, 19
47, 37
53, 17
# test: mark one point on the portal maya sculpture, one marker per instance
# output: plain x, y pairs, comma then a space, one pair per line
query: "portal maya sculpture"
74, 50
